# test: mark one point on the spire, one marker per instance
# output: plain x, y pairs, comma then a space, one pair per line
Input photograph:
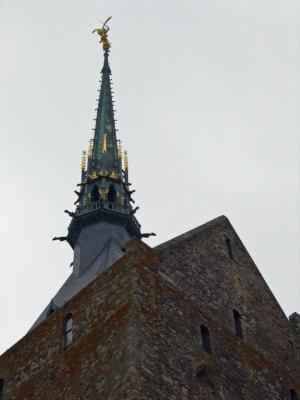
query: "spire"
105, 193
104, 155
105, 147
104, 219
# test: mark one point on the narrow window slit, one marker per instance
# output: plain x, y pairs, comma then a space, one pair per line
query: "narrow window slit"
112, 194
293, 395
229, 247
201, 374
67, 331
95, 194
1, 388
203, 377
238, 324
205, 336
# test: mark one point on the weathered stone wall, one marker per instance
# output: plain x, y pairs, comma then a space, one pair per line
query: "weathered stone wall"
137, 330
100, 363
203, 278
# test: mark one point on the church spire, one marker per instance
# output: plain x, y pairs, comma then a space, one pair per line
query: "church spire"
105, 147
105, 194
104, 219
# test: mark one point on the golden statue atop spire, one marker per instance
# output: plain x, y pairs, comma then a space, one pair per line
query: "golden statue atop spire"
102, 32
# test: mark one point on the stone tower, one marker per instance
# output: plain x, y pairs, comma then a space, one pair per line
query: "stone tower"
190, 319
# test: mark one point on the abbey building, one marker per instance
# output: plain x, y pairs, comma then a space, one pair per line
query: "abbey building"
189, 319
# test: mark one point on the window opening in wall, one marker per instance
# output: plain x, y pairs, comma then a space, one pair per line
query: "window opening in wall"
293, 395
238, 324
203, 377
67, 331
111, 195
205, 336
95, 193
229, 247
1, 388
201, 374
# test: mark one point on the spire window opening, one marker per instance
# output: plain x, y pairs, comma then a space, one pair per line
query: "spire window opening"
238, 324
205, 337
67, 331
112, 194
95, 194
293, 395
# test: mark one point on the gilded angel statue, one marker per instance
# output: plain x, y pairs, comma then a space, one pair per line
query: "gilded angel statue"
102, 32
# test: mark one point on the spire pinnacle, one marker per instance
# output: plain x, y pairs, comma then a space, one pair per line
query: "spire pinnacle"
83, 160
120, 151
90, 148
125, 160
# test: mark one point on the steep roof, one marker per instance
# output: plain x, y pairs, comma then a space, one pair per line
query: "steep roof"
220, 227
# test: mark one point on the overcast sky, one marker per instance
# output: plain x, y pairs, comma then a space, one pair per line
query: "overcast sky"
207, 100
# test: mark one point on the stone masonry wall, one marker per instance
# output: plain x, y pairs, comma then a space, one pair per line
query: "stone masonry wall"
202, 278
137, 330
100, 363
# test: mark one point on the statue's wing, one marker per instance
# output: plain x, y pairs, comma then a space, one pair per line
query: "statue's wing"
106, 21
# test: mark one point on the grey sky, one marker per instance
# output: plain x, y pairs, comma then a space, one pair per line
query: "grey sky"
207, 100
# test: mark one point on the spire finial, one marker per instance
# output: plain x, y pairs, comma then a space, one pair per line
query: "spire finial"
102, 32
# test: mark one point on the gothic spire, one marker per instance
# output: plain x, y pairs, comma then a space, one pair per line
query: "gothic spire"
104, 194
104, 219
105, 155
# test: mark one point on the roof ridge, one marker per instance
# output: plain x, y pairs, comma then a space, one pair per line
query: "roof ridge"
222, 219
